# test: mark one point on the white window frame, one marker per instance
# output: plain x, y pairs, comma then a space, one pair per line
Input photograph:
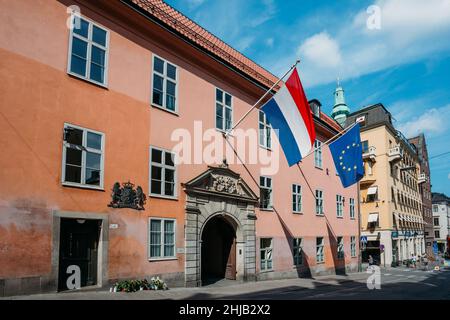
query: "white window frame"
267, 249
266, 131
83, 184
162, 244
297, 251
90, 43
352, 208
353, 246
434, 221
297, 198
319, 197
320, 250
340, 254
165, 78
224, 107
270, 206
163, 166
339, 206
318, 159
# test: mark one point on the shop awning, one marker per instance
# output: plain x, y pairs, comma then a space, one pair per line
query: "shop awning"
373, 217
372, 190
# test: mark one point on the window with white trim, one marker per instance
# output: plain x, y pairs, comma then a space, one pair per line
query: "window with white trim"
164, 91
265, 190
352, 208
161, 238
266, 250
318, 154
224, 110
265, 139
436, 221
319, 202
162, 173
88, 51
339, 206
320, 256
340, 248
353, 246
297, 198
297, 251
83, 154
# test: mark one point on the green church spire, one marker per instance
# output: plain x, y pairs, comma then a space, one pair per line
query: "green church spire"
340, 109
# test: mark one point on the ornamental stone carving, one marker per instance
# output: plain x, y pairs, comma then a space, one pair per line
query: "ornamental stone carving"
226, 184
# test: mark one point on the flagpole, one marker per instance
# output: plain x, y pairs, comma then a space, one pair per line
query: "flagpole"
260, 99
329, 140
359, 229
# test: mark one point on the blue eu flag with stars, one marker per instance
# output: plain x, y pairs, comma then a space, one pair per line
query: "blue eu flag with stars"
347, 156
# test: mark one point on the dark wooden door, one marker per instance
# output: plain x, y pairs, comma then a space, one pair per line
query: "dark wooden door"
79, 247
230, 272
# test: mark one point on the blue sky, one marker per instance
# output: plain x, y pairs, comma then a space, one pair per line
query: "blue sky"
404, 64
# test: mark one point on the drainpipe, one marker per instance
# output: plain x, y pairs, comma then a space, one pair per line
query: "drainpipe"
359, 230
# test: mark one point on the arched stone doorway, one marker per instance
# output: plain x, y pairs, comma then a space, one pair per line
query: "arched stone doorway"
219, 227
218, 250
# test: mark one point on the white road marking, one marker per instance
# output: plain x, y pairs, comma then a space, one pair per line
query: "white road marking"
430, 284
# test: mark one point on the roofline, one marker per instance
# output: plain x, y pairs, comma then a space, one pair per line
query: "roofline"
373, 106
185, 39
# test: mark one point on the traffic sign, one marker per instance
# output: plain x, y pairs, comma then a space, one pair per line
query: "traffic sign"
363, 239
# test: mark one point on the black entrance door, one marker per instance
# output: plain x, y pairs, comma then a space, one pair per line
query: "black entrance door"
78, 247
218, 251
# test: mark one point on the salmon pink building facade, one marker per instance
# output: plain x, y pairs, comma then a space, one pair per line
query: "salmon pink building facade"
97, 99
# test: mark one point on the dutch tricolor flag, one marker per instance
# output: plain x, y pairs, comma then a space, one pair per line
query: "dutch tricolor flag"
289, 113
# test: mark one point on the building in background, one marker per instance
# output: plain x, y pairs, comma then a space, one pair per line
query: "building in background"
88, 114
441, 221
340, 109
425, 190
391, 204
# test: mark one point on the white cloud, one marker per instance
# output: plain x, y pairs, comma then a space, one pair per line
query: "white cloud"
410, 31
433, 123
192, 4
237, 22
449, 176
269, 42
244, 43
267, 13
321, 50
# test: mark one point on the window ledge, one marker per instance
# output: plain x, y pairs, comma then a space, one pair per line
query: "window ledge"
320, 214
82, 186
322, 262
264, 209
98, 84
175, 113
162, 259
298, 212
151, 195
320, 168
266, 271
266, 148
339, 217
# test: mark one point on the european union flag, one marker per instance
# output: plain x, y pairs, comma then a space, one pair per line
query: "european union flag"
347, 156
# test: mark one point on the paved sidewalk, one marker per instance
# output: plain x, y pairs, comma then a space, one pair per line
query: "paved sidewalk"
222, 290
395, 283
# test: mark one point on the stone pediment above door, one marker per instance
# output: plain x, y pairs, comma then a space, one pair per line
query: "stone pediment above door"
220, 182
